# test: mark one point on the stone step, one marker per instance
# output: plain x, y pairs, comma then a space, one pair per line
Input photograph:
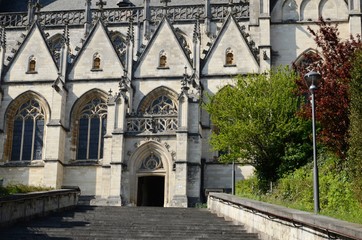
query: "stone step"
86, 222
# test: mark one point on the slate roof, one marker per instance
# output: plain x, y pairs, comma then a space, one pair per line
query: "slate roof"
59, 5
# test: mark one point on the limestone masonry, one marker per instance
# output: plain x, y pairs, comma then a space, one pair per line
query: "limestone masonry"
107, 95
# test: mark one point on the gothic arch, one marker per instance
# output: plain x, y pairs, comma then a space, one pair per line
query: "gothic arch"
56, 42
78, 110
290, 11
135, 163
156, 93
10, 114
333, 9
309, 10
299, 60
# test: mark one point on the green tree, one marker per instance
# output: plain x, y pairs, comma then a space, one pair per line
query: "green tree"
355, 130
256, 124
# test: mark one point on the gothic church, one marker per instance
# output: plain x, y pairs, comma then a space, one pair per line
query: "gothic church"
106, 95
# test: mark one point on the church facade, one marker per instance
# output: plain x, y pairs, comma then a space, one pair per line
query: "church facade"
107, 95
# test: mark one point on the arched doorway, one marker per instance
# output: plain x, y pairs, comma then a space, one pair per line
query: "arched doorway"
149, 175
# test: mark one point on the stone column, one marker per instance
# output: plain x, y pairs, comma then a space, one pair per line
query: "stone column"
2, 52
179, 198
147, 19
55, 130
55, 139
207, 17
355, 25
88, 18
194, 152
115, 194
265, 43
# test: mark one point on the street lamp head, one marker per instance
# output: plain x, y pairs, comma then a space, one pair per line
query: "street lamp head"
312, 79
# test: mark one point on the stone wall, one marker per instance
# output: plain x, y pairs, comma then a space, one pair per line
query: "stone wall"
274, 222
24, 206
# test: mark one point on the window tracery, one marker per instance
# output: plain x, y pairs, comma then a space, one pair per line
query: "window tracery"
157, 112
162, 105
92, 128
28, 131
151, 163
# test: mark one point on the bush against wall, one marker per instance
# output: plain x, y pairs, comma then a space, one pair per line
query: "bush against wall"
355, 141
255, 123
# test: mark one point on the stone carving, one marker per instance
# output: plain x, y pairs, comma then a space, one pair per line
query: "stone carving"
152, 124
122, 15
151, 163
173, 155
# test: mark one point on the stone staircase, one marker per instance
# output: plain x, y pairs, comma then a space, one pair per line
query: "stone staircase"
87, 222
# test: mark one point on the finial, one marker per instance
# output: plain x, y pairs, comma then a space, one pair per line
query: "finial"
185, 81
123, 82
100, 5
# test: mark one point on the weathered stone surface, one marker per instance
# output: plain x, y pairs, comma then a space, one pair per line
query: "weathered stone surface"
274, 222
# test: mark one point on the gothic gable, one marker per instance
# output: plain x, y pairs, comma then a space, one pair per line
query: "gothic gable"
97, 58
231, 52
164, 55
33, 60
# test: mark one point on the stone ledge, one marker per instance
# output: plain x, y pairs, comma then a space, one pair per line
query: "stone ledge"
20, 207
296, 217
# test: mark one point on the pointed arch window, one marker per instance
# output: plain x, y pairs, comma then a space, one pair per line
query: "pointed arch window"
92, 128
162, 63
31, 65
229, 58
162, 105
28, 132
96, 65
56, 43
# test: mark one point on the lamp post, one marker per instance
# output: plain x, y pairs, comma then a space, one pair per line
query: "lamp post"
312, 79
233, 178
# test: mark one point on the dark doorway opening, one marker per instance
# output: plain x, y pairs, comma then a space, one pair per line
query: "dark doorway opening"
151, 191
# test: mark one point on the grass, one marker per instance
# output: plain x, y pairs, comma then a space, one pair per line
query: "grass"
20, 188
352, 213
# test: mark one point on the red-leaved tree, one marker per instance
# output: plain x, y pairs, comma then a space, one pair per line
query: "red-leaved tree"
333, 62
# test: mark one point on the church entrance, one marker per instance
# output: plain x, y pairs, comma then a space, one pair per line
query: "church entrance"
151, 191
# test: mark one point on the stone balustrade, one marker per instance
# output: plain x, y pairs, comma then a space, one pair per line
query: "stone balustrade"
19, 207
152, 124
274, 222
122, 15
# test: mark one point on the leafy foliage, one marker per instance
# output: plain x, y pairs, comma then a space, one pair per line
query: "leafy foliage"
296, 190
256, 123
332, 100
355, 141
